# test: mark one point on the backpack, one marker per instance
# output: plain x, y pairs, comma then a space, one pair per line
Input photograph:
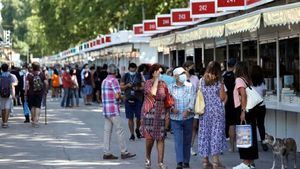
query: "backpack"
38, 84
5, 86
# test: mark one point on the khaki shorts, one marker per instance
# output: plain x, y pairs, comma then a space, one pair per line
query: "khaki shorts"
5, 103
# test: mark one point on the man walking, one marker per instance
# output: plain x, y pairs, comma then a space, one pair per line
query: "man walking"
111, 95
36, 87
7, 92
133, 85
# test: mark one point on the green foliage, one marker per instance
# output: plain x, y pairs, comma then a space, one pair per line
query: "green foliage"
45, 27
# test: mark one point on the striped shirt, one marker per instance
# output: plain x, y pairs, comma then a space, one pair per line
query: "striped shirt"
110, 87
184, 97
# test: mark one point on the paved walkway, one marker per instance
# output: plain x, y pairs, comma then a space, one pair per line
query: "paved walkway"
73, 139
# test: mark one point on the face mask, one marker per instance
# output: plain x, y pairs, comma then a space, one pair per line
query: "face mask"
182, 78
68, 70
132, 73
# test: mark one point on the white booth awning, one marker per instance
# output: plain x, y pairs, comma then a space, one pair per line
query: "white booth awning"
163, 41
283, 16
242, 25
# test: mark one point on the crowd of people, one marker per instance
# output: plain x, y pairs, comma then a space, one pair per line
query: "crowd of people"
146, 94
157, 99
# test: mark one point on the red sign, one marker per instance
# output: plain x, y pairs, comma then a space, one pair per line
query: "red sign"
138, 29
163, 21
98, 42
231, 3
250, 2
102, 40
202, 7
181, 16
107, 39
149, 25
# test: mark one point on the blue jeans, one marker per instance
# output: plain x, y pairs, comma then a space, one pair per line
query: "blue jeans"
66, 98
74, 93
183, 139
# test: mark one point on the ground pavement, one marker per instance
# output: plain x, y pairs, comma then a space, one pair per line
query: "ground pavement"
73, 139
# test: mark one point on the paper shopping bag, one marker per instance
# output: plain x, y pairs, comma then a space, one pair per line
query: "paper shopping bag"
243, 136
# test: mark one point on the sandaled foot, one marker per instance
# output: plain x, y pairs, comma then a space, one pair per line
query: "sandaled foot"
147, 164
207, 165
218, 165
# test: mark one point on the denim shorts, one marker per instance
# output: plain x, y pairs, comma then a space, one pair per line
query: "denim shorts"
133, 109
88, 89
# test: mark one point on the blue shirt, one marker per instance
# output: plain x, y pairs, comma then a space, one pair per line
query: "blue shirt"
184, 97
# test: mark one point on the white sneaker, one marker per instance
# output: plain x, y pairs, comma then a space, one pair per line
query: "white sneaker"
242, 166
193, 153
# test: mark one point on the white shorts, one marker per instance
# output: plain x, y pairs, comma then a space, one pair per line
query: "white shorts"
5, 103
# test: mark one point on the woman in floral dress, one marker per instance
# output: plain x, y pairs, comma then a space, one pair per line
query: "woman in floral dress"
154, 115
211, 137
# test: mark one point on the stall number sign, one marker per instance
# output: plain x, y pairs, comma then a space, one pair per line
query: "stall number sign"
231, 3
150, 26
138, 30
163, 21
107, 39
199, 8
181, 16
250, 2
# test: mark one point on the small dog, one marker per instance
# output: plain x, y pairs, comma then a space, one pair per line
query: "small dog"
282, 148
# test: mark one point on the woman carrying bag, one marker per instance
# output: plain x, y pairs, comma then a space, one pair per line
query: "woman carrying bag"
211, 137
248, 155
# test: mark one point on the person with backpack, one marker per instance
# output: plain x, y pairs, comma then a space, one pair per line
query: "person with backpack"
36, 88
7, 93
132, 84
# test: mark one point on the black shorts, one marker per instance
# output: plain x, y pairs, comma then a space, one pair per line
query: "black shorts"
35, 101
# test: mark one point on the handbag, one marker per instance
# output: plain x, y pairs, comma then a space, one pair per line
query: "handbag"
243, 136
169, 101
253, 98
199, 104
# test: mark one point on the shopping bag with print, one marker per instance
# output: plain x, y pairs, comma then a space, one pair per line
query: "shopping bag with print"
243, 136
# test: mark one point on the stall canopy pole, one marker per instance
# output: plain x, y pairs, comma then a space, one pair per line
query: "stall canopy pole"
215, 53
242, 52
258, 51
169, 55
299, 58
277, 68
227, 49
177, 60
203, 52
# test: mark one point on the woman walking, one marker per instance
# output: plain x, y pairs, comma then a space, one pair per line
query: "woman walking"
211, 137
74, 88
154, 114
55, 83
248, 155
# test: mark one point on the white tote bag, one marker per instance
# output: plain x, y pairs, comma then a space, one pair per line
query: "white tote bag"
243, 136
253, 98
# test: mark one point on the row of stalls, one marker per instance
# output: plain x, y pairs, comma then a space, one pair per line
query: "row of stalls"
119, 48
268, 36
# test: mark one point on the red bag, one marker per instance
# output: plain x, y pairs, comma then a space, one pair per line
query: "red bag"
169, 102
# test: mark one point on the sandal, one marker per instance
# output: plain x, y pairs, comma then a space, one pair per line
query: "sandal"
218, 165
148, 164
4, 125
207, 165
162, 166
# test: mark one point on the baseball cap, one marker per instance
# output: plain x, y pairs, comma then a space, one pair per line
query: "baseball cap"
178, 71
231, 62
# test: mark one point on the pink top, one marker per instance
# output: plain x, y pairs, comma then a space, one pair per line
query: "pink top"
238, 84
